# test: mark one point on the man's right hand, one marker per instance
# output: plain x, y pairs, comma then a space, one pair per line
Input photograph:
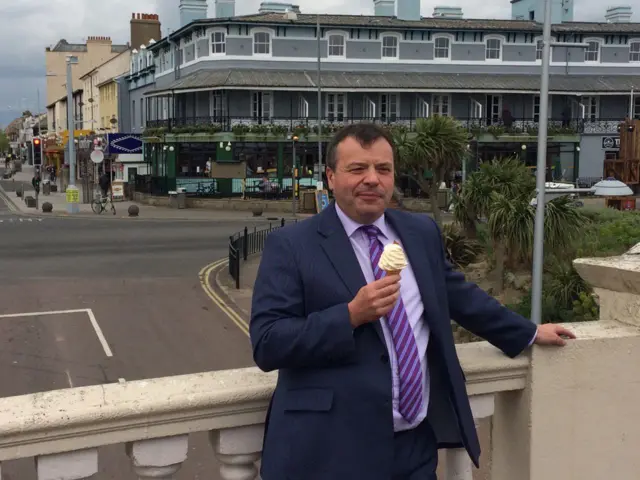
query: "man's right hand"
374, 300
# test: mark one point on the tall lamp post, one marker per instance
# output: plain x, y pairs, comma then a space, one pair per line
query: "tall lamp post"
541, 169
73, 196
318, 76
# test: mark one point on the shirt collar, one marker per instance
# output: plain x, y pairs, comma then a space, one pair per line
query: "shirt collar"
351, 226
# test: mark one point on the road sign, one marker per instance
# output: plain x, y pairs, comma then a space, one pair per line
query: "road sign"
97, 156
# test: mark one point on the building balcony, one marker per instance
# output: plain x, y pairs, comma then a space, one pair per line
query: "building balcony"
280, 128
566, 413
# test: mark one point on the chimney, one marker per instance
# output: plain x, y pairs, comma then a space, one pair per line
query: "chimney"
144, 27
192, 10
619, 14
225, 8
384, 8
409, 10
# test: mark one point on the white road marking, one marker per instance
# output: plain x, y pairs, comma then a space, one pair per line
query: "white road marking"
31, 219
69, 378
98, 330
21, 220
88, 311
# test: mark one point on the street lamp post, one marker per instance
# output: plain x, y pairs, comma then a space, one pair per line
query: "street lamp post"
318, 76
541, 169
73, 196
294, 175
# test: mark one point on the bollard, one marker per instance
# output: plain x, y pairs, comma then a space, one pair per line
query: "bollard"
245, 245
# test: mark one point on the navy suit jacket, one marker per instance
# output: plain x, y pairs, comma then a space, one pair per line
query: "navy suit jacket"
330, 417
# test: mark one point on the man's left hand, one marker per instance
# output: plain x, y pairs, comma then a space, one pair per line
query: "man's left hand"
553, 334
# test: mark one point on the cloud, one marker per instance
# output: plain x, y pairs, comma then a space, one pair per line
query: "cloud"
29, 26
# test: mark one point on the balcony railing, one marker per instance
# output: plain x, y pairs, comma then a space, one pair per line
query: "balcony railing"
548, 408
306, 126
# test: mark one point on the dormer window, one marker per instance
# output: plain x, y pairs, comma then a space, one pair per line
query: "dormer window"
262, 43
218, 43
442, 48
634, 52
336, 45
592, 53
389, 46
493, 49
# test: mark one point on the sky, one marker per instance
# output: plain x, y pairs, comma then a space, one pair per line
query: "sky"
27, 27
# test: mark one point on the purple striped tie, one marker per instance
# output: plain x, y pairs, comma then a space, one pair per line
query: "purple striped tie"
404, 342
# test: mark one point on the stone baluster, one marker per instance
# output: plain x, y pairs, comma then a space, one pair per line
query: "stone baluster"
76, 465
158, 457
459, 465
238, 450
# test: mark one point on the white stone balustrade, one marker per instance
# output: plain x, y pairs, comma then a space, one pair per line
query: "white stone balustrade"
566, 413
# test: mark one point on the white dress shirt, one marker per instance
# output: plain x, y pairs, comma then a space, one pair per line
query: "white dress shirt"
413, 305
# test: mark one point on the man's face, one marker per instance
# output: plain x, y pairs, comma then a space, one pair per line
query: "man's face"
363, 179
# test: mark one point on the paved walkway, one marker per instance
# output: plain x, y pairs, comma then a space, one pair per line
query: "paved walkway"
59, 202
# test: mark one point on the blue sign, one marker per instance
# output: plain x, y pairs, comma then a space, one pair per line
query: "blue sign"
123, 143
322, 200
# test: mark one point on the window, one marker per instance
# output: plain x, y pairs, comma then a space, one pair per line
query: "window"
336, 106
539, 50
591, 108
141, 113
441, 48
368, 109
336, 45
389, 107
636, 108
133, 115
303, 107
389, 46
536, 108
262, 43
634, 52
442, 105
493, 49
261, 105
218, 106
592, 53
422, 108
218, 43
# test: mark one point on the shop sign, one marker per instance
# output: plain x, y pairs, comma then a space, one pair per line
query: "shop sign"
609, 143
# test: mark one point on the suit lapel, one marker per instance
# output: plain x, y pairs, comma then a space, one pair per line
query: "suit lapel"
339, 251
415, 248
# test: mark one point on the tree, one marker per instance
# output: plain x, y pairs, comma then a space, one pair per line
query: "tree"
438, 146
4, 142
501, 192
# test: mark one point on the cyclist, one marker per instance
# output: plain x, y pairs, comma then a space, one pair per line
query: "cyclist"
105, 185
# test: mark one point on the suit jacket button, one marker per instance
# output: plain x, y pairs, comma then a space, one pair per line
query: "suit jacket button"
384, 358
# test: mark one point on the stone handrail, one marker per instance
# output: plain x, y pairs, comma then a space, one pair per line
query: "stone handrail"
153, 417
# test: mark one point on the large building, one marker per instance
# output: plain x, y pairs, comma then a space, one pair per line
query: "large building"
232, 89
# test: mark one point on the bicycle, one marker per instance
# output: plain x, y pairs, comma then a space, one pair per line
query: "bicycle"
99, 204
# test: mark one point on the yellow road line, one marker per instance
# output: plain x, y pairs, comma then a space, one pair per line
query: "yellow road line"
204, 275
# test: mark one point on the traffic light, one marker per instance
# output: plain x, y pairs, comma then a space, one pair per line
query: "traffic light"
37, 151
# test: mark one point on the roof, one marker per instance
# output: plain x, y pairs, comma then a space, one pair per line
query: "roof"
64, 46
302, 80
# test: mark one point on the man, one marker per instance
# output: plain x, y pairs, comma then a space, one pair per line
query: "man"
347, 405
105, 185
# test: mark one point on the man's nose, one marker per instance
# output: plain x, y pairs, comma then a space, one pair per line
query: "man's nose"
372, 177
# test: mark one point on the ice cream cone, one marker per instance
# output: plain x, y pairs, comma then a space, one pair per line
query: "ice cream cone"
393, 272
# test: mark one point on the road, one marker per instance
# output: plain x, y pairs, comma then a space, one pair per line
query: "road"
87, 301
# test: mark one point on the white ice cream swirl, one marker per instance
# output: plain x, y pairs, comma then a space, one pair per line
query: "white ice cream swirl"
393, 258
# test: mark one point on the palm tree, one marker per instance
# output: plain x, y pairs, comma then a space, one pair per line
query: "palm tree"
438, 146
501, 192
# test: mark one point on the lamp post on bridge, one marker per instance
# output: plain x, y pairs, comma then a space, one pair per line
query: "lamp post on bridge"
541, 169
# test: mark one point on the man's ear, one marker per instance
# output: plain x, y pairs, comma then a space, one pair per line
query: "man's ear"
330, 173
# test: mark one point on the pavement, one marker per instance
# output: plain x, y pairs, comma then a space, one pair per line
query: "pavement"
89, 300
59, 203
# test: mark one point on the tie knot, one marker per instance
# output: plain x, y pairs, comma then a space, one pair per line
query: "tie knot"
371, 231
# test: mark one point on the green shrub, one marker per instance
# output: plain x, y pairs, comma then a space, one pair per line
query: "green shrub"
461, 250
